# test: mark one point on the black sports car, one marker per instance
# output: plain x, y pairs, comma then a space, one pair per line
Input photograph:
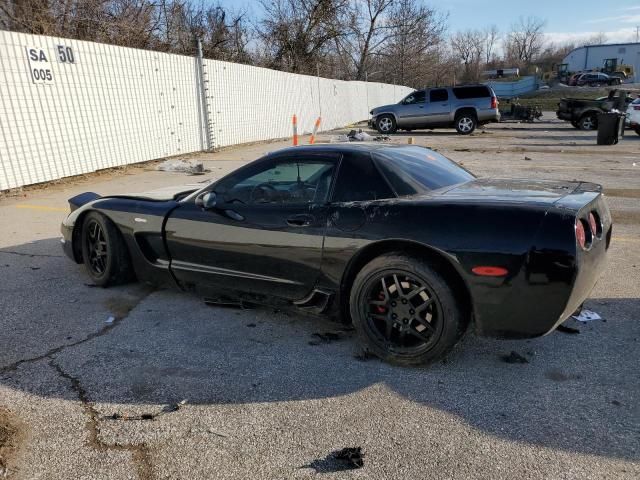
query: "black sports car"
399, 240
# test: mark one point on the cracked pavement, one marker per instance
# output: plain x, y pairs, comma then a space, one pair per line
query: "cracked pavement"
265, 399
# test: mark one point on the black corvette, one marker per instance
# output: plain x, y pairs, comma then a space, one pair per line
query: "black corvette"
399, 240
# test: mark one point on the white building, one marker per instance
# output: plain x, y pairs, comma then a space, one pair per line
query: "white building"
592, 57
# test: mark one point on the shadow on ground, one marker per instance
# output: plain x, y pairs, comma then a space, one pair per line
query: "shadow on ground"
578, 392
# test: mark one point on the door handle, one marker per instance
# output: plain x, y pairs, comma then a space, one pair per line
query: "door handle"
234, 215
300, 220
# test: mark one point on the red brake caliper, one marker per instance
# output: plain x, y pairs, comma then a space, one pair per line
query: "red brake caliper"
380, 308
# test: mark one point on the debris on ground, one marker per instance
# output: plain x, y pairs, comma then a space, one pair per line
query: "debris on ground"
174, 407
587, 316
514, 357
110, 319
353, 455
461, 150
182, 166
565, 329
363, 356
327, 337
359, 136
226, 302
11, 438
528, 158
349, 458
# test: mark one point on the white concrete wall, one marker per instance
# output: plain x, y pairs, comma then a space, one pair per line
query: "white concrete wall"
116, 106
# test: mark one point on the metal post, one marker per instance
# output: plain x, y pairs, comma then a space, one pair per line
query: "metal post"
204, 105
366, 87
319, 99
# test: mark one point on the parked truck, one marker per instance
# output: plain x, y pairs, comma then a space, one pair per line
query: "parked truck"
583, 112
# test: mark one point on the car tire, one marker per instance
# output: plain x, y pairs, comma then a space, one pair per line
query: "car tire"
434, 320
465, 123
386, 124
104, 251
637, 130
575, 124
588, 121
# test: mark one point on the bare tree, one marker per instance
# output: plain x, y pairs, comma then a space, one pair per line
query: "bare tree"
525, 40
410, 53
367, 29
491, 35
298, 33
469, 46
597, 39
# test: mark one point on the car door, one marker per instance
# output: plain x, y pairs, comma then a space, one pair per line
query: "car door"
412, 112
437, 109
263, 235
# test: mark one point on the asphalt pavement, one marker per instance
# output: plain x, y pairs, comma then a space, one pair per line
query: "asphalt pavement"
132, 382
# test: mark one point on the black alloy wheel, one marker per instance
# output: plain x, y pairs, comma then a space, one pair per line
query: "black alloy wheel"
96, 247
402, 312
405, 311
104, 252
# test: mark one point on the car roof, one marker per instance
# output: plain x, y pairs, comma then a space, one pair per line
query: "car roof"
356, 147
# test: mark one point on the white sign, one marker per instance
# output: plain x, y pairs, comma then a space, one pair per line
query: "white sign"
65, 54
39, 65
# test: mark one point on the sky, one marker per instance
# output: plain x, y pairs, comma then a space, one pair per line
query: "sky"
567, 20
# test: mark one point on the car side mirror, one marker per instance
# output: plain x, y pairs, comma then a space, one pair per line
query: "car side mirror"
207, 201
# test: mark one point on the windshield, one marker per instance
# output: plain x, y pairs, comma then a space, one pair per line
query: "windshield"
414, 170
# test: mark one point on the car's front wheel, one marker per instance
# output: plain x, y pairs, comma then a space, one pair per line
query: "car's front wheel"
404, 311
104, 252
466, 123
386, 124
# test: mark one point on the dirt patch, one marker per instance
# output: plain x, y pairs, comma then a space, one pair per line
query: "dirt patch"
627, 217
622, 192
11, 439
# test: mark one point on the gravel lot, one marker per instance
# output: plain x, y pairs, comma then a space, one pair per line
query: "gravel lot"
82, 398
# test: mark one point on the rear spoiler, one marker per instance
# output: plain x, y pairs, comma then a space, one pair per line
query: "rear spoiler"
79, 200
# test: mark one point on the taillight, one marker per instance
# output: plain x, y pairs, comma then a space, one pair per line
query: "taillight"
494, 102
595, 224
581, 236
636, 107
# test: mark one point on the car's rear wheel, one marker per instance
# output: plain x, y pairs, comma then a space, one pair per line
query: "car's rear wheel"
386, 124
104, 252
466, 123
404, 311
588, 121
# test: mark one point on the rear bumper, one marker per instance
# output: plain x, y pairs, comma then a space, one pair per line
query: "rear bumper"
554, 280
564, 116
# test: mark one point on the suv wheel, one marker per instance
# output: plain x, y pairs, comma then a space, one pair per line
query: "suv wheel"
466, 123
386, 124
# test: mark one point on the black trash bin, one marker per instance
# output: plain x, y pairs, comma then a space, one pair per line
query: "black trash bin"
610, 128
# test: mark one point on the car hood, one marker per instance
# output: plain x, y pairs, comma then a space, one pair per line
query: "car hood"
543, 192
163, 194
383, 108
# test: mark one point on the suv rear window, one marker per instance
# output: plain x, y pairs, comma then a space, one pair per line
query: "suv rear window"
471, 92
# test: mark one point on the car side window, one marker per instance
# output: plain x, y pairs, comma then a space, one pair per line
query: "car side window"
359, 180
415, 97
438, 95
286, 182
